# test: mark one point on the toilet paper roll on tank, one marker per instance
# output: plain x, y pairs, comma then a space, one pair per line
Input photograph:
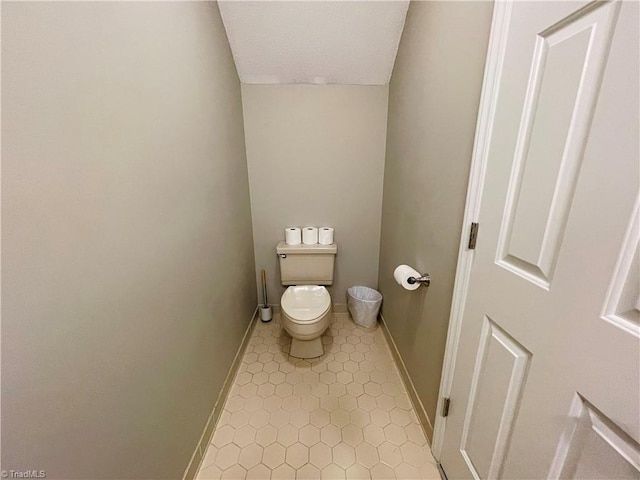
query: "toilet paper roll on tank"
325, 236
402, 274
308, 235
293, 235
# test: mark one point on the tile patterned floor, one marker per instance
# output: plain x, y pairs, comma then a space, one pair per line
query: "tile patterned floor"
345, 415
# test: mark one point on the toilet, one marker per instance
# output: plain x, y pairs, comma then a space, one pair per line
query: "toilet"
306, 304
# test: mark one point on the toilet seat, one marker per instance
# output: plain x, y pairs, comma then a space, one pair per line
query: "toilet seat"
305, 304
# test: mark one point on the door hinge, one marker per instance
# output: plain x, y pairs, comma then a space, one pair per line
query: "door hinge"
445, 406
473, 236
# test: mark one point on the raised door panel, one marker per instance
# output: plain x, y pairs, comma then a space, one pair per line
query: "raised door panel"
566, 71
593, 447
622, 304
497, 387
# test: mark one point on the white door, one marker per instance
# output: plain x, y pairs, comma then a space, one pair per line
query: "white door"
546, 377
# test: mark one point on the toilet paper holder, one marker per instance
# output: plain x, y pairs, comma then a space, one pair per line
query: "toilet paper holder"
424, 280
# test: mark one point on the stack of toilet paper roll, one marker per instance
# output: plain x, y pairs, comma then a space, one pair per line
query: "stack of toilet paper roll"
308, 235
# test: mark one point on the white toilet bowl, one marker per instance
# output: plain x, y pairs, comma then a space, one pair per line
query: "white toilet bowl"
306, 314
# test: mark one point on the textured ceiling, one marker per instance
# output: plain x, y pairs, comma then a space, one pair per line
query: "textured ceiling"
314, 41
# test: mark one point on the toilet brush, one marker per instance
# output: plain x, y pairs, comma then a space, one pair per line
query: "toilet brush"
265, 310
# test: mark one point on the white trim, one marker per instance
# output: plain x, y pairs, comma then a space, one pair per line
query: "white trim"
201, 448
421, 413
487, 109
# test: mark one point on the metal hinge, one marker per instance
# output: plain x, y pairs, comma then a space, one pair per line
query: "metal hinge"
473, 236
445, 406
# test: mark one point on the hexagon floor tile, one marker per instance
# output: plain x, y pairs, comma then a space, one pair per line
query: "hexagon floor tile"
344, 415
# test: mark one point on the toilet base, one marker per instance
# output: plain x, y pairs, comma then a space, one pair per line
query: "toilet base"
306, 348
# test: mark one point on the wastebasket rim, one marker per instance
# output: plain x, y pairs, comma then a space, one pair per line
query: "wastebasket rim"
350, 292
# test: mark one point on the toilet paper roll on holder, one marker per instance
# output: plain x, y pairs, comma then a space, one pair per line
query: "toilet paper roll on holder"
423, 280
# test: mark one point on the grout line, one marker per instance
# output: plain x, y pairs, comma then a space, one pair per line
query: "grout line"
198, 455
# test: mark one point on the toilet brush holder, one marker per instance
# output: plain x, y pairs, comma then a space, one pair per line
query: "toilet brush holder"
266, 313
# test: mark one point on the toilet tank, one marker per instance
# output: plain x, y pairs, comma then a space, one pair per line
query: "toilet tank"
306, 264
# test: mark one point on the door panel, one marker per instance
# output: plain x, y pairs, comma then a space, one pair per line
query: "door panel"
496, 391
622, 304
594, 447
546, 381
566, 70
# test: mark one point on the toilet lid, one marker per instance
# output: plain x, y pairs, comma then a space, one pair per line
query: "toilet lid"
305, 302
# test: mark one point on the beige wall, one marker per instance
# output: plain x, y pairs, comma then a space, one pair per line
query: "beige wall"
433, 104
316, 157
127, 254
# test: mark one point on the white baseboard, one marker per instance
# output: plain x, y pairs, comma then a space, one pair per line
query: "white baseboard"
427, 426
340, 308
196, 459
